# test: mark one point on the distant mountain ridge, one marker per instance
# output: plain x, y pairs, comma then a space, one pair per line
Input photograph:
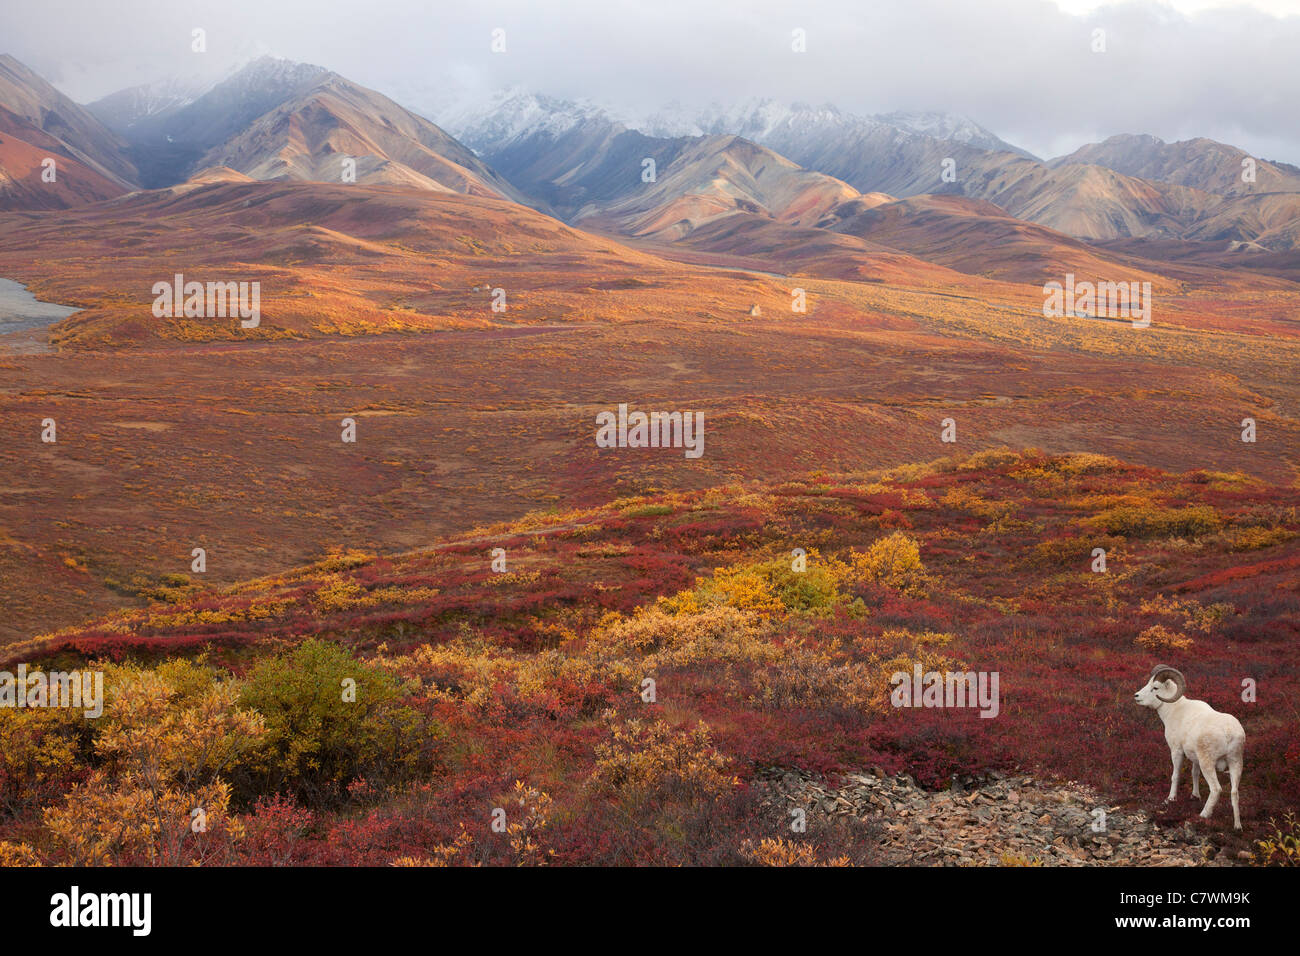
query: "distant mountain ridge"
147, 103
557, 151
277, 119
732, 196
37, 123
1199, 163
760, 119
769, 169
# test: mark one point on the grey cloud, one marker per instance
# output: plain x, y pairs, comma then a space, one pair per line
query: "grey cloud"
1023, 68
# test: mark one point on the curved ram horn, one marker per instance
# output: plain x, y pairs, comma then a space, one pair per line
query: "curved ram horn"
1176, 676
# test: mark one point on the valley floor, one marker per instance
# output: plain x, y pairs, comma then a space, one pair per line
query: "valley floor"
624, 685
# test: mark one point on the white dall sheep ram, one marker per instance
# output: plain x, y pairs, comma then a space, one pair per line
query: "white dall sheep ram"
1210, 740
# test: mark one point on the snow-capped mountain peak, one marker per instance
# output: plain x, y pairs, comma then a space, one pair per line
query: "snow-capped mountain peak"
150, 103
511, 115
763, 120
274, 72
753, 119
514, 113
957, 129
125, 108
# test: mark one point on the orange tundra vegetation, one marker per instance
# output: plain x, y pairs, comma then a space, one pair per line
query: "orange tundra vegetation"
368, 583
467, 416
619, 694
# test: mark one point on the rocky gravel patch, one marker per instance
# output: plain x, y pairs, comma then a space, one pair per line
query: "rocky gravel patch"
997, 820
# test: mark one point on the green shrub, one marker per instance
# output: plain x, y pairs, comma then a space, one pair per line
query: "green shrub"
331, 719
768, 587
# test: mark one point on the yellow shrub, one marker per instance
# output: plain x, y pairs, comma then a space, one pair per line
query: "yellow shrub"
524, 828
1282, 846
1155, 521
778, 852
469, 669
1160, 638
104, 823
744, 587
937, 638
1194, 614
456, 853
256, 611
404, 595
39, 748
961, 498
905, 662
643, 760
915, 498
18, 854
767, 588
894, 561
720, 632
1012, 859
1249, 539
510, 579
1073, 553
812, 679
344, 560
1085, 463
164, 737
338, 593
538, 674
1067, 466
465, 669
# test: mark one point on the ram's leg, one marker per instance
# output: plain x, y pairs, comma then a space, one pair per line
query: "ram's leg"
1234, 773
1196, 780
1177, 757
1206, 759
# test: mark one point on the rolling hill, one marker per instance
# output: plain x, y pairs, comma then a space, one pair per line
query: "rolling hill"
276, 119
977, 237
715, 176
331, 259
527, 687
730, 196
1199, 163
39, 122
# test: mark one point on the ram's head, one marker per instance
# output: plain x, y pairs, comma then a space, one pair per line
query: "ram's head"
1165, 685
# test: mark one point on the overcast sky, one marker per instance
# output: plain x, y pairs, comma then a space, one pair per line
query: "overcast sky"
1229, 70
